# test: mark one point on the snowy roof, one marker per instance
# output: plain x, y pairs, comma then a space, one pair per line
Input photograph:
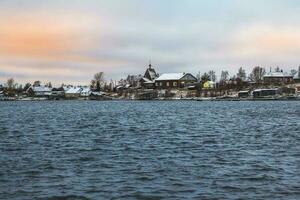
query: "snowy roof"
66, 88
86, 90
259, 90
244, 91
152, 73
147, 80
277, 74
127, 85
119, 86
74, 90
98, 93
170, 76
41, 89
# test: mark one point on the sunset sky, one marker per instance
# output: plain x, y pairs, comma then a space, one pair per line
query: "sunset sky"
69, 41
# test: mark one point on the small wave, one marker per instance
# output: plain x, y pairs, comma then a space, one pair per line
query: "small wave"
146, 178
68, 197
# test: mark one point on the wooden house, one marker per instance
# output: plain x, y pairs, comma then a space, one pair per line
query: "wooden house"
258, 93
278, 78
73, 92
39, 91
174, 80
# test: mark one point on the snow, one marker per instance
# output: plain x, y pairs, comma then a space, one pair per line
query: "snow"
41, 89
147, 81
170, 76
66, 88
259, 90
152, 73
98, 93
277, 74
86, 91
244, 91
74, 90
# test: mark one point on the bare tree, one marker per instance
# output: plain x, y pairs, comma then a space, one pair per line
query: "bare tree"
257, 74
11, 83
198, 76
99, 77
11, 87
224, 76
212, 75
98, 80
241, 74
93, 84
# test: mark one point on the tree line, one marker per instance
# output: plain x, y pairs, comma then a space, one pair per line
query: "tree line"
98, 82
256, 75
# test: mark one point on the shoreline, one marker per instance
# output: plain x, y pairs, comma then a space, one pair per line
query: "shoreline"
162, 99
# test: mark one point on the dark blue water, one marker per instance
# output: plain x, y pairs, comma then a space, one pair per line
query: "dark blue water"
149, 150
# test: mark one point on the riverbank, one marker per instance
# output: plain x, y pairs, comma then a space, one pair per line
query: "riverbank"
224, 98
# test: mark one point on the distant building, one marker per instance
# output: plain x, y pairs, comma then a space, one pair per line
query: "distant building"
39, 91
298, 88
85, 92
58, 92
73, 92
297, 77
209, 85
278, 77
244, 94
265, 92
147, 81
174, 80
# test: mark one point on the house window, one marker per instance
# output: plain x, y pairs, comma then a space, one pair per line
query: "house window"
156, 84
175, 84
160, 84
168, 84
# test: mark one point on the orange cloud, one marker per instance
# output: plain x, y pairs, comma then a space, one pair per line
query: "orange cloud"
266, 40
43, 36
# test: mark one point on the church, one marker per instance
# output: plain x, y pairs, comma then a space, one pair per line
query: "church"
148, 80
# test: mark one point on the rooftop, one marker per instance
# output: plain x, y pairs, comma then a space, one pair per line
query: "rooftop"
278, 74
74, 90
170, 76
41, 89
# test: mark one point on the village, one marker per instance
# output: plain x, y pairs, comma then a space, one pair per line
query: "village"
259, 85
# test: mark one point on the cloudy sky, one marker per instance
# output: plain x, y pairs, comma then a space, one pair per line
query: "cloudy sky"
69, 41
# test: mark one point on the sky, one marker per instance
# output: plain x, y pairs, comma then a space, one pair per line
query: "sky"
68, 41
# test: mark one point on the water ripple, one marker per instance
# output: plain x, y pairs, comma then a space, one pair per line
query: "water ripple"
149, 150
